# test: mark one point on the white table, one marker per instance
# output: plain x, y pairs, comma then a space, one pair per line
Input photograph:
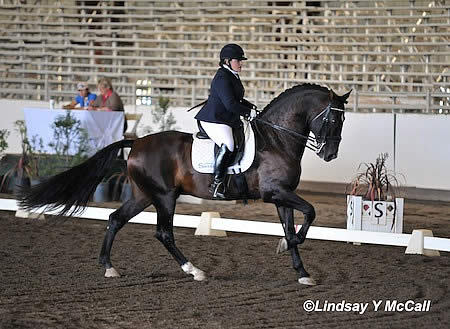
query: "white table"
103, 128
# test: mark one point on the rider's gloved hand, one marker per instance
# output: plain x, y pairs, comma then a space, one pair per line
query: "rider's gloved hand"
252, 114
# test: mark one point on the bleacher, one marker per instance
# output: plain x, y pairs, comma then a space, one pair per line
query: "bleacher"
394, 54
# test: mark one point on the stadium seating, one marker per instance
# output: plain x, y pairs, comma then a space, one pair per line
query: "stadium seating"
394, 54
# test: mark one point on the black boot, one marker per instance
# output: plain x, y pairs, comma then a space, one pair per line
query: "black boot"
220, 169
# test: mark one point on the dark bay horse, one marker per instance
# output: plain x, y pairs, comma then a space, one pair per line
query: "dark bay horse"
160, 169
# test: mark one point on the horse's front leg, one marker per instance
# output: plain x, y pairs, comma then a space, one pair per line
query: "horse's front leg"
291, 200
287, 220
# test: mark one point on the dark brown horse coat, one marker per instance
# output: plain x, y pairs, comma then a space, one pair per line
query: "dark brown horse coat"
160, 169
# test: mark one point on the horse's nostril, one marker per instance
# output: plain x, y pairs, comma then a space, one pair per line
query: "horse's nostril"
330, 157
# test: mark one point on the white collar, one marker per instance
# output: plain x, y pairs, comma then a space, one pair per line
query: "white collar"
231, 70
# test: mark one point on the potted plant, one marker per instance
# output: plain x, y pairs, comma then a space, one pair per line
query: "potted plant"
373, 203
20, 173
4, 133
162, 117
102, 192
70, 143
69, 147
37, 158
115, 185
121, 185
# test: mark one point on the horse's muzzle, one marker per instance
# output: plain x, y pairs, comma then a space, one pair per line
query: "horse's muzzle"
329, 151
330, 157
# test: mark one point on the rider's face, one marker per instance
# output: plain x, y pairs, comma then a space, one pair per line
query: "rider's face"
236, 65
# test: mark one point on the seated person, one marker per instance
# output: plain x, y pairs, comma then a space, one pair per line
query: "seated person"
84, 99
108, 100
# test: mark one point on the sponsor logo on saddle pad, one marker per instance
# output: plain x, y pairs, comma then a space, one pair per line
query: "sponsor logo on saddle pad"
203, 154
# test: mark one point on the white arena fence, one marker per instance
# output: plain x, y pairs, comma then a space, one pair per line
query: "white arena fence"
264, 228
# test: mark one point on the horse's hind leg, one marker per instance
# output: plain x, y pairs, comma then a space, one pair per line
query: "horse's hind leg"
287, 219
165, 207
116, 221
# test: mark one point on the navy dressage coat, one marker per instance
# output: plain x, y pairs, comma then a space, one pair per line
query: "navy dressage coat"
226, 100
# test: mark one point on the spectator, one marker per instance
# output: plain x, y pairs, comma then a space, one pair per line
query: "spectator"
84, 98
108, 100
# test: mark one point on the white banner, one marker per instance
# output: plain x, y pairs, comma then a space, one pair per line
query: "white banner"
103, 128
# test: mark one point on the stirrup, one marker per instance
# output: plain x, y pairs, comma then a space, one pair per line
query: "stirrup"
215, 190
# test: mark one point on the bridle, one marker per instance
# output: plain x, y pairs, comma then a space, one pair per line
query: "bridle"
322, 138
316, 143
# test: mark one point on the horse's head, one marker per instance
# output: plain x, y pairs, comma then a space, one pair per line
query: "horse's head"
326, 126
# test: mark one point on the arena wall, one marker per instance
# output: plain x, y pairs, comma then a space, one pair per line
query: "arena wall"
417, 145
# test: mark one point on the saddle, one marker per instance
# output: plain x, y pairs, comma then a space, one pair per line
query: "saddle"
239, 142
204, 150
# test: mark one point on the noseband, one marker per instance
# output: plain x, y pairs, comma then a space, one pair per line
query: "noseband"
316, 143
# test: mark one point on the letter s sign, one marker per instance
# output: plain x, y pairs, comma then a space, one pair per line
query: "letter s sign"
378, 211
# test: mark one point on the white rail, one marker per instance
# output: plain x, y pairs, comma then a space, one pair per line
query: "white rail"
264, 228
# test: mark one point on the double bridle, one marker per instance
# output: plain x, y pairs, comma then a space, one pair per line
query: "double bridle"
316, 143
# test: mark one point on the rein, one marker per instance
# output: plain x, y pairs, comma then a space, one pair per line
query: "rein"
291, 132
315, 145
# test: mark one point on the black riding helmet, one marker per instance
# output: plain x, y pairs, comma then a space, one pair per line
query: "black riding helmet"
232, 51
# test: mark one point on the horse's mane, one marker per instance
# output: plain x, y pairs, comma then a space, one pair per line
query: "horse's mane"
295, 89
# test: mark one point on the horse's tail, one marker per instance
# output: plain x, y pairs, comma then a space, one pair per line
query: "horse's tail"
72, 188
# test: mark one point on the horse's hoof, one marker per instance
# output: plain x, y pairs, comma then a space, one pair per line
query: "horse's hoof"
200, 276
111, 273
307, 280
282, 246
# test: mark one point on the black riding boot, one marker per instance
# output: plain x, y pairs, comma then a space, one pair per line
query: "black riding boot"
220, 169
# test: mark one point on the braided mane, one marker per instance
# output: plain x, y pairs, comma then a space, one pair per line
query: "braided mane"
295, 89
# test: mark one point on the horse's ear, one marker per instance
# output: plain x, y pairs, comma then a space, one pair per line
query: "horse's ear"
344, 97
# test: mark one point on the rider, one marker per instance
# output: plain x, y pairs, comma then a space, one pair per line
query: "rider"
222, 111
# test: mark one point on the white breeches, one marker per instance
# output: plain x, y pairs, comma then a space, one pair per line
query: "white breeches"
219, 133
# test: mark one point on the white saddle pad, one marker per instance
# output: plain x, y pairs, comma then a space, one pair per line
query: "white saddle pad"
203, 154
